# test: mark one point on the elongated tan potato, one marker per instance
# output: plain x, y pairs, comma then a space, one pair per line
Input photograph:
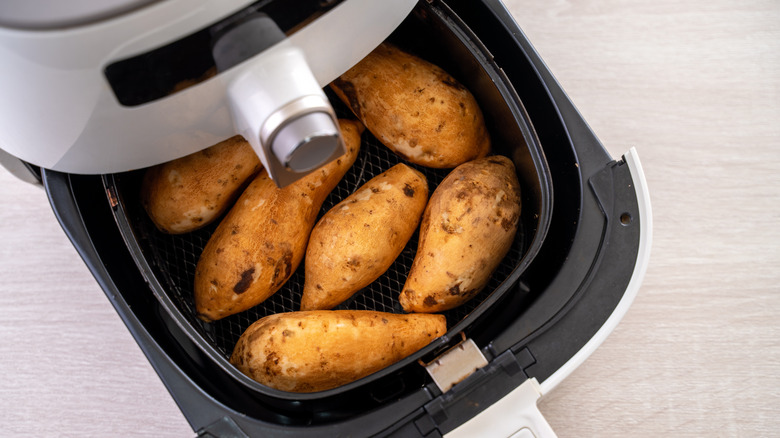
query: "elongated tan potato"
357, 240
323, 349
415, 108
262, 239
190, 192
467, 228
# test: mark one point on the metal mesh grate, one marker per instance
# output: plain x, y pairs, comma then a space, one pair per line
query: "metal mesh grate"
174, 258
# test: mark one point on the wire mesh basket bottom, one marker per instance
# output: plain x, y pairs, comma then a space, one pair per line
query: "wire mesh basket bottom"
174, 258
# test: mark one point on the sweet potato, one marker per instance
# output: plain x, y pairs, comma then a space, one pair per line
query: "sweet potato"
415, 108
190, 192
262, 239
357, 240
467, 229
323, 349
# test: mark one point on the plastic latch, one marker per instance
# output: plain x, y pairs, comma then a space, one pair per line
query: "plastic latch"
456, 364
515, 415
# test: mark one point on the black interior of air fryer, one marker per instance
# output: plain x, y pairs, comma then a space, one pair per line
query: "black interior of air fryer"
168, 261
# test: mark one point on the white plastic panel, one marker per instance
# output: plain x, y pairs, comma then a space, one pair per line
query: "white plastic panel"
58, 111
515, 415
47, 14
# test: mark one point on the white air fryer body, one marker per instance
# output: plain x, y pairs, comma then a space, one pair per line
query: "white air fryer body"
59, 112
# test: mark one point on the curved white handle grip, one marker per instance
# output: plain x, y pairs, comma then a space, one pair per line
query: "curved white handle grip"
514, 416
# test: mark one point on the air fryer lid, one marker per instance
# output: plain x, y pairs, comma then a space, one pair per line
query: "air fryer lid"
436, 34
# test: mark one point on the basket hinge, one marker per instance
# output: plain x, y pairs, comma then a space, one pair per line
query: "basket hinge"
456, 364
484, 384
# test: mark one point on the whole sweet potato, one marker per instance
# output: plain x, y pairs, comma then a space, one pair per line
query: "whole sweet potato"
357, 240
467, 229
415, 108
190, 192
322, 349
262, 239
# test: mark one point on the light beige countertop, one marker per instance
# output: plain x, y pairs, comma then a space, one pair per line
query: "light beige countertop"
694, 86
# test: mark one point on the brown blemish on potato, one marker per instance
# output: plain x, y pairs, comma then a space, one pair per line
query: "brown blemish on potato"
245, 281
496, 160
350, 93
429, 301
507, 224
448, 227
283, 269
271, 366
451, 82
408, 190
353, 264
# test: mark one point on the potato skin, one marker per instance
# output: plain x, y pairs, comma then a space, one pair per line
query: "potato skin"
262, 239
323, 349
358, 239
415, 108
467, 228
190, 192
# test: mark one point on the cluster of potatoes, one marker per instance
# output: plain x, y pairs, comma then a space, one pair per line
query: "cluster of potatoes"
466, 227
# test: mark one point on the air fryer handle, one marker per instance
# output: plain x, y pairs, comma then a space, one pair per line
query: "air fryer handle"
514, 416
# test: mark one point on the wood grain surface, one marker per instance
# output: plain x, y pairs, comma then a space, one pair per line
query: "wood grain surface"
694, 86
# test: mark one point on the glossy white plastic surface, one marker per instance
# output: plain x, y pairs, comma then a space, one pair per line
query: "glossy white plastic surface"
59, 112
515, 415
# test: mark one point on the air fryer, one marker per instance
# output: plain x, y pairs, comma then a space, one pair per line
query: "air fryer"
573, 270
